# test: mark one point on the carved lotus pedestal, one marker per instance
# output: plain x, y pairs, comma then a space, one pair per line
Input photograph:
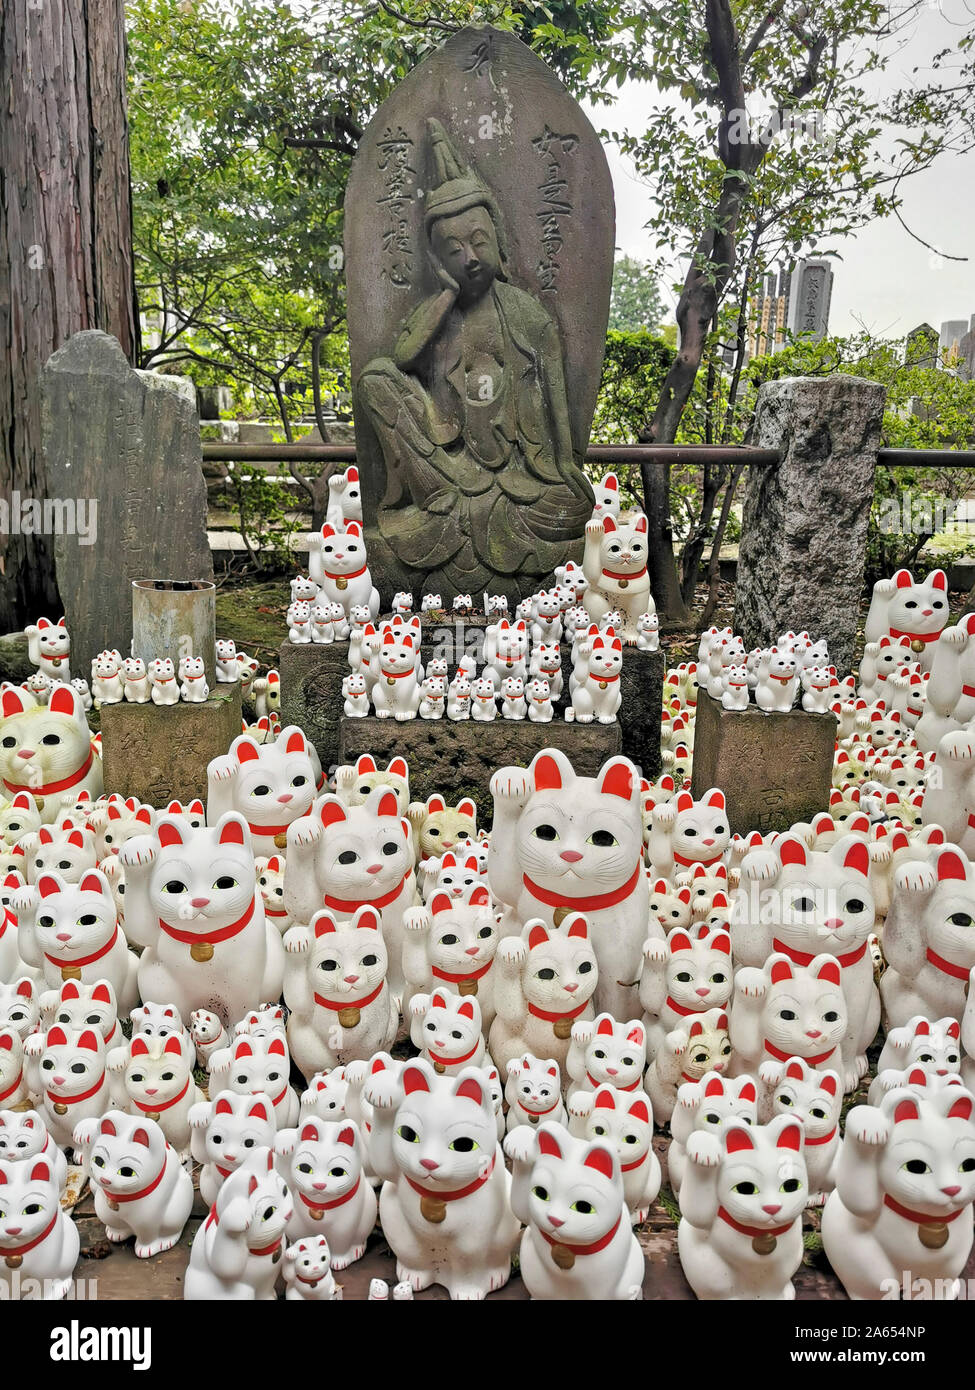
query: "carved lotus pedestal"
774, 769
157, 752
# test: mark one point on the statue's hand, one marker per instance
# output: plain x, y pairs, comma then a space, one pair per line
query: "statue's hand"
445, 279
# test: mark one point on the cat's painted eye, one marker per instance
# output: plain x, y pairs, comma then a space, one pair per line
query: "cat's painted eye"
803, 904
217, 1139
409, 1134
485, 932
365, 789
830, 1016
952, 1058
174, 886
916, 1166
464, 1144
855, 905
66, 864
348, 856
726, 1050
967, 1165
910, 603
541, 1193
370, 960
262, 790
126, 1172
305, 1168
790, 1185
432, 830
787, 1014
631, 1139
167, 1075
685, 977
712, 1119
599, 1053
717, 979
267, 1213
39, 864
690, 831
31, 1209
224, 883
431, 1027
784, 1100
585, 967
299, 781
605, 839
627, 1061
745, 1189
9, 742
45, 921
137, 1076
98, 1161
47, 1064
274, 1076
336, 1172
249, 1143
545, 832
700, 1057
817, 1114
93, 1018
390, 848
583, 1207
960, 919
78, 1068
328, 965
51, 739
241, 1080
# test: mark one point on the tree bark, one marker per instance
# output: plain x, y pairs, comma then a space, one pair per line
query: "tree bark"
65, 239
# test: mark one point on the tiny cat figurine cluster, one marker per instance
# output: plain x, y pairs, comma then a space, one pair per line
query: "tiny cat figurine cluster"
795, 666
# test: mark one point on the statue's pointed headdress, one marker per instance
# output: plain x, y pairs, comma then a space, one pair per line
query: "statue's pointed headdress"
457, 187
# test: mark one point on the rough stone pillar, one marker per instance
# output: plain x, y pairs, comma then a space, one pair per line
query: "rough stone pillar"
804, 528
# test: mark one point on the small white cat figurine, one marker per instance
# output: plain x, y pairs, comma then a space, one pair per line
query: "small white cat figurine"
139, 1184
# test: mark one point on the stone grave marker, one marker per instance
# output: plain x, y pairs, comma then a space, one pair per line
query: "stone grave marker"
122, 449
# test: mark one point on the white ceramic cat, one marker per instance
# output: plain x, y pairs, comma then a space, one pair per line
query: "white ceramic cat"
320, 619
258, 1065
260, 1022
19, 1009
49, 648
741, 1202
614, 1116
802, 903
223, 1133
905, 1180
484, 700
533, 1092
597, 694
459, 697
354, 781
65, 848
397, 688
708, 1105
236, 1252
191, 901
338, 564
209, 1035
19, 816
336, 987
685, 975
778, 680
308, 1272
786, 1010
615, 564
447, 1031
71, 931
903, 607
344, 493
141, 1189
106, 678
79, 1005
269, 785
685, 832
38, 1241
323, 1168
928, 938
506, 650
192, 680
544, 980
562, 844
355, 695
156, 1076
13, 1077
433, 697
154, 1020
702, 1044
326, 1095
270, 880
135, 681
74, 1085
815, 1099
225, 649
932, 1044
444, 1206
604, 1052
165, 687
578, 1242
347, 857
452, 945
47, 749
24, 1136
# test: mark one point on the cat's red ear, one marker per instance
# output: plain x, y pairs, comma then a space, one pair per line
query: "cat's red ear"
90, 1041
56, 1037
906, 1110
548, 1144
537, 936
792, 850
546, 773
604, 1099
604, 1026
857, 858
903, 579
414, 1080
791, 1137
679, 941
794, 1070
173, 1045
365, 763
608, 525
479, 897
617, 779
346, 1135
107, 1127
781, 970
276, 1047
466, 1009
828, 1083
232, 830
41, 1172
938, 580
737, 1138
141, 1136
466, 807
578, 926
600, 1158
962, 1109
168, 834
716, 798
246, 751
398, 768
829, 970
471, 1090
747, 1092
332, 811
950, 865
138, 1047
640, 1111
715, 1087
224, 1107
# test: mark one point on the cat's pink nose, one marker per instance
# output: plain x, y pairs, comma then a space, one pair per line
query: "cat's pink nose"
63, 936
773, 1209
284, 798
351, 979
927, 612
59, 1081
200, 902
231, 1157
951, 1191
702, 992
571, 989
429, 1165
834, 923
571, 856
942, 1071
554, 1220
319, 1186
14, 1230
471, 951
708, 842
612, 1071
151, 1090
813, 1033
26, 753
373, 868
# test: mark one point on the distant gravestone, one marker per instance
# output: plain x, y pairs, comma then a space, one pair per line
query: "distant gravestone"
921, 347
479, 241
809, 297
123, 451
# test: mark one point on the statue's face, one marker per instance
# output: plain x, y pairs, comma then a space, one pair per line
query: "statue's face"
467, 247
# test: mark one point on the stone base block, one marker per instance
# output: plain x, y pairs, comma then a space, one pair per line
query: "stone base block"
157, 752
312, 675
458, 758
774, 769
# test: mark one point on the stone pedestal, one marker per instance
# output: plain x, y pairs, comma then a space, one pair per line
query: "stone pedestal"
311, 693
458, 758
804, 527
774, 769
157, 752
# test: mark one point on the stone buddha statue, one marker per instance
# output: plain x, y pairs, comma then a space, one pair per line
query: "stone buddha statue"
470, 409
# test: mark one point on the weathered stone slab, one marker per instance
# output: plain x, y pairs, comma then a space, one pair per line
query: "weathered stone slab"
804, 527
126, 445
311, 693
15, 664
157, 752
773, 768
458, 758
479, 242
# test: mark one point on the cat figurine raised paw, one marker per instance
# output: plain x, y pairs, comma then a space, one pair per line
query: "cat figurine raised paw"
815, 1098
323, 1167
708, 1105
140, 1187
237, 1250
223, 1131
611, 1115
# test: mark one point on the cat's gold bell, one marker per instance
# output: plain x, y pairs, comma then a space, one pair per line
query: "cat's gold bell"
933, 1234
563, 1256
764, 1244
201, 951
70, 972
349, 1018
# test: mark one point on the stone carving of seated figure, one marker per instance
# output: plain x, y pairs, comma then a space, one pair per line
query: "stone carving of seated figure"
470, 409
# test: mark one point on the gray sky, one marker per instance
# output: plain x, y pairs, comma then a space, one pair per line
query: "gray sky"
885, 280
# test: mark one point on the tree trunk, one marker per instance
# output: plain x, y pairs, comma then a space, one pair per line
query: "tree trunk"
65, 239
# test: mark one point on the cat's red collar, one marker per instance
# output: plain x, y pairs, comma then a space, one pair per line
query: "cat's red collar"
686, 863
823, 1138
924, 637
593, 903
268, 829
458, 1192
947, 967
9, 1252
781, 1056
453, 1061
214, 1220
628, 1167
753, 1231
134, 1196
529, 1111
336, 1005
349, 905
459, 979
153, 1109
804, 958
592, 1249
53, 1096
397, 675
614, 574
922, 1218
354, 574
315, 1205
554, 1018
49, 788
595, 1084
680, 1009
211, 938
86, 960
11, 1089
